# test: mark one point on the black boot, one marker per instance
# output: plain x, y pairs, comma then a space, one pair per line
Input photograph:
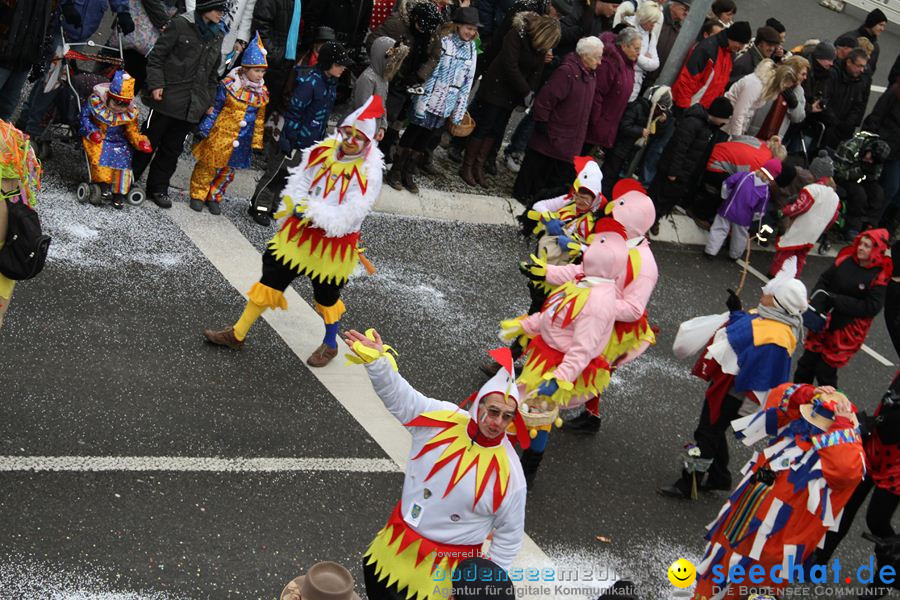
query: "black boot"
427, 165
406, 172
530, 462
394, 175
585, 423
681, 489
490, 162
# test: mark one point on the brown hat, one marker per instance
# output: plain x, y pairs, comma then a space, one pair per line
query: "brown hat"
323, 581
768, 34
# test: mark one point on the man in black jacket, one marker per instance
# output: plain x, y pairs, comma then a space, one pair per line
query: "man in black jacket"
22, 28
182, 72
766, 42
873, 26
849, 93
684, 158
278, 22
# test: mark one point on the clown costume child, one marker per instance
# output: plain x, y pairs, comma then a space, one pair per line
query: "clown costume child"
109, 130
232, 130
326, 199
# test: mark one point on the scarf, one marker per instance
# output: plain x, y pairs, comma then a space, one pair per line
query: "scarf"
290, 51
206, 30
776, 314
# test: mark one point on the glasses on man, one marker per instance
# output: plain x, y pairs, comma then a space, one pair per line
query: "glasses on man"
496, 413
117, 102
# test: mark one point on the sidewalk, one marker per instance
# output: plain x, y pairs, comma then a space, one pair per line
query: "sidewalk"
464, 207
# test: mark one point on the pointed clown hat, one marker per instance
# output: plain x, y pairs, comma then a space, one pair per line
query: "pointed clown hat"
122, 87
365, 118
589, 179
504, 383
255, 54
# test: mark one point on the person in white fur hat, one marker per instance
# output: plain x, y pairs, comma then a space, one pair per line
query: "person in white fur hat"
463, 479
326, 199
749, 355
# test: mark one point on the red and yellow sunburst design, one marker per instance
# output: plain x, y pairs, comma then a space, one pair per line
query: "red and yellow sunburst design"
541, 358
567, 301
324, 158
408, 559
464, 454
307, 250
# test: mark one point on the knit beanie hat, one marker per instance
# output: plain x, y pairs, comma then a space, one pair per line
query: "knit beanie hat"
775, 24
874, 18
772, 167
824, 51
847, 41
620, 590
787, 175
740, 32
822, 166
203, 6
721, 107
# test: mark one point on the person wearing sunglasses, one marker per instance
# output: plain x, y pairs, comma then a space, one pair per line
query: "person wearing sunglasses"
463, 479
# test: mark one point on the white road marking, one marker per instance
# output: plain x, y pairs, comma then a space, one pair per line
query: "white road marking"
301, 328
878, 89
194, 464
865, 348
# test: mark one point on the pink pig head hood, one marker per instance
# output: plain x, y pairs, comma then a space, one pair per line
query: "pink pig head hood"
607, 255
635, 211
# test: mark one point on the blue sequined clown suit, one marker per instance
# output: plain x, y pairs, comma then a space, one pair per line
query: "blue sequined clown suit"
109, 137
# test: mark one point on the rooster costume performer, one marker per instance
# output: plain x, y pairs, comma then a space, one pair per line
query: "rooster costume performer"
109, 129
632, 334
791, 494
463, 480
564, 360
327, 197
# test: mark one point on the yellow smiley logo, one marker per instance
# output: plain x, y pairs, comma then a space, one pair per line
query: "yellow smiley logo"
682, 573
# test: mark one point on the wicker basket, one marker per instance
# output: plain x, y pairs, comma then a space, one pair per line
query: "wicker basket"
534, 418
465, 127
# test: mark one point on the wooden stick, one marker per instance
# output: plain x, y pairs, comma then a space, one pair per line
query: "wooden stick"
746, 266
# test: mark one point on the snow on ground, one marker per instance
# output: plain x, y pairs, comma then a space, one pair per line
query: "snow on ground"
24, 577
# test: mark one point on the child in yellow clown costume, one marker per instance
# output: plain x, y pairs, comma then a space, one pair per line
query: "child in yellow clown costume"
463, 480
109, 129
232, 130
564, 360
326, 199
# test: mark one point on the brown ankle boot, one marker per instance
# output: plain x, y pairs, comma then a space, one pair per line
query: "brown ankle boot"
466, 171
482, 150
223, 337
321, 356
394, 177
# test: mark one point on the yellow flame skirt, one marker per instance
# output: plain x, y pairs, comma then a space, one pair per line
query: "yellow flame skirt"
305, 249
627, 337
412, 561
541, 358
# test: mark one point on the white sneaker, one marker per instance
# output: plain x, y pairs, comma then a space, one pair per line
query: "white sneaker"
514, 162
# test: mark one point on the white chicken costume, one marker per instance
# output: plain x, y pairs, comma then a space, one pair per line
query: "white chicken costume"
459, 486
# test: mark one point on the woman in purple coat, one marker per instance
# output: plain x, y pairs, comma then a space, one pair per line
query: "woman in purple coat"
615, 80
560, 112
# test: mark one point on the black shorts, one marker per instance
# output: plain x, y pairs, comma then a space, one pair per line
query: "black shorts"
278, 276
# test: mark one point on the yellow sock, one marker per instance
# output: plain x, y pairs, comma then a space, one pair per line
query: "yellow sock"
251, 313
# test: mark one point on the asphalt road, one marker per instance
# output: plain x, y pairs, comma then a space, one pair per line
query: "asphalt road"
102, 357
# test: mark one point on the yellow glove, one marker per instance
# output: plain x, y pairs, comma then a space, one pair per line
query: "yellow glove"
365, 355
510, 329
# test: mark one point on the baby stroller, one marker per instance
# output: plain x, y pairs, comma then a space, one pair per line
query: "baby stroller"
80, 85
